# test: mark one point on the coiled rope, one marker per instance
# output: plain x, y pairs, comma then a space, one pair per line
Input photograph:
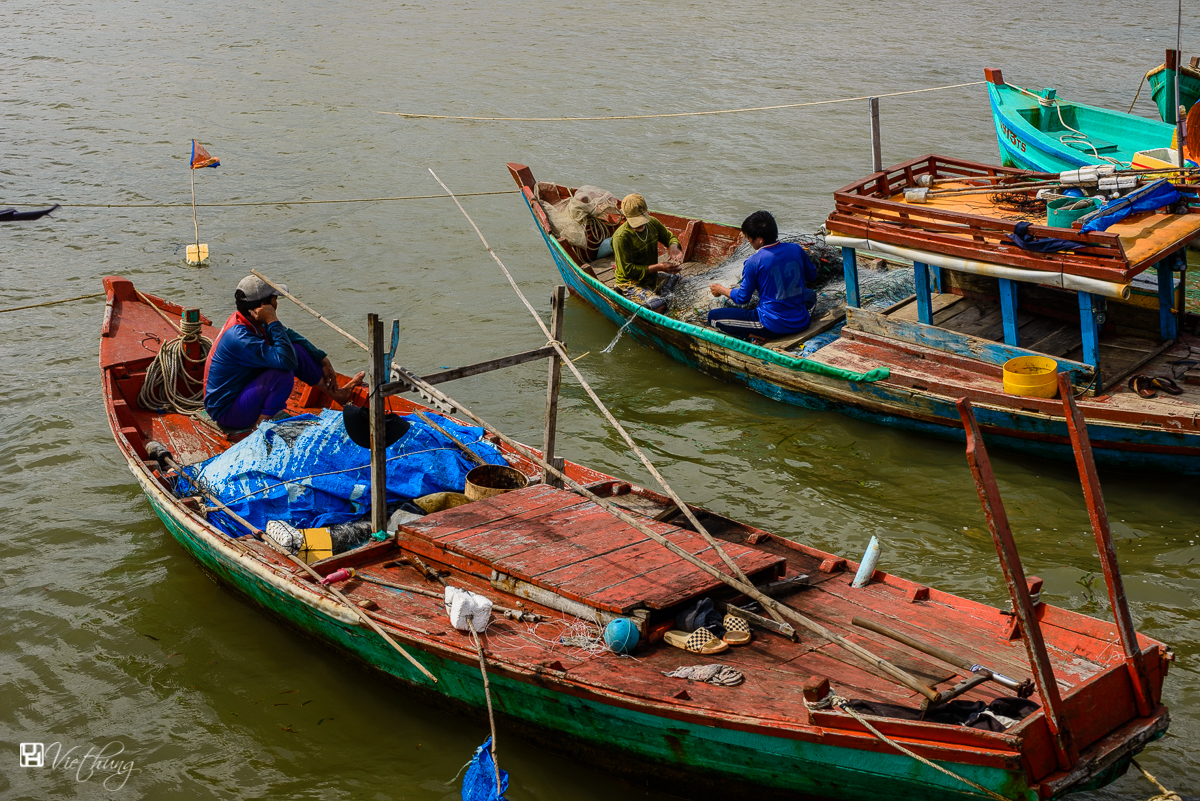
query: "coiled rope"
678, 113
832, 700
169, 384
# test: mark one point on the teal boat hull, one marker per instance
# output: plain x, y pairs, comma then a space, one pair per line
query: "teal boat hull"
1031, 135
1189, 90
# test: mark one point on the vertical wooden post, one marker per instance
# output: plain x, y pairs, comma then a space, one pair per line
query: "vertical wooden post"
1181, 291
195, 367
558, 301
921, 286
850, 270
1008, 308
1166, 299
876, 145
935, 279
1014, 575
1090, 309
1104, 546
1172, 100
378, 377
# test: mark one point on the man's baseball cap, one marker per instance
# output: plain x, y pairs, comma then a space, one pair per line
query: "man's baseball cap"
634, 209
254, 289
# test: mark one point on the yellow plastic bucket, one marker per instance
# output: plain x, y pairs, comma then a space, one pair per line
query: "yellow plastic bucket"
1031, 376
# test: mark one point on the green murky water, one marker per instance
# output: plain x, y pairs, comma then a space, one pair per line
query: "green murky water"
114, 634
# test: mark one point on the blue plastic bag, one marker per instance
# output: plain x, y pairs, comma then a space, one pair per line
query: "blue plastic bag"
480, 782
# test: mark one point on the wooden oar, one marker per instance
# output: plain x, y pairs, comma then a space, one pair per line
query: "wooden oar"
159, 453
1023, 689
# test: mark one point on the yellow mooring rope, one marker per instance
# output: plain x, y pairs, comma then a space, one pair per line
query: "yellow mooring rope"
1163, 793
678, 113
52, 302
262, 202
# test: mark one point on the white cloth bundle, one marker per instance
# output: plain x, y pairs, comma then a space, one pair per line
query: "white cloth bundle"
467, 609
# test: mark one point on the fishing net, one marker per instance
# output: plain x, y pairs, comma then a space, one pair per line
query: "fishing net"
690, 300
586, 218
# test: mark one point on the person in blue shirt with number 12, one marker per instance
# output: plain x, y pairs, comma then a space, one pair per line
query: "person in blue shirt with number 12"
780, 271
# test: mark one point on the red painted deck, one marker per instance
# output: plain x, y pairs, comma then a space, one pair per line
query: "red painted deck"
561, 542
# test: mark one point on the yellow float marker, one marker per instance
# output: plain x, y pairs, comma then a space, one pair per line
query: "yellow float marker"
198, 253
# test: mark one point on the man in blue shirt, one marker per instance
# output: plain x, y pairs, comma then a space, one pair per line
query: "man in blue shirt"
780, 272
256, 359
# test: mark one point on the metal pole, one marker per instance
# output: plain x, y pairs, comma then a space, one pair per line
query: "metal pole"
557, 301
378, 366
876, 149
1014, 575
1104, 546
1179, 127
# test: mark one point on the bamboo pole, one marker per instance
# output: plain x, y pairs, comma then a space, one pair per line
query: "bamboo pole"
776, 609
620, 429
195, 223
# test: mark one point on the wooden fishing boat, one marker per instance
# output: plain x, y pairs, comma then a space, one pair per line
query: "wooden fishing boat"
1041, 131
904, 366
1162, 89
550, 553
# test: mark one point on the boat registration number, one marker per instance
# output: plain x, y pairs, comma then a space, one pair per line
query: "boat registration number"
1012, 137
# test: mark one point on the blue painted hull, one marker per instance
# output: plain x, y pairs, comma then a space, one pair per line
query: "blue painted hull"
880, 401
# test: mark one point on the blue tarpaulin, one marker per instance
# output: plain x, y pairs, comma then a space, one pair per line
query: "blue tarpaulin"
480, 782
1148, 198
306, 472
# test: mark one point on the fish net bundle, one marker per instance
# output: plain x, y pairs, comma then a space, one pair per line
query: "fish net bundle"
586, 218
690, 300
1020, 205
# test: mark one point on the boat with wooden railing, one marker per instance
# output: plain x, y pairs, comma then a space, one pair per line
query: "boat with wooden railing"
1104, 313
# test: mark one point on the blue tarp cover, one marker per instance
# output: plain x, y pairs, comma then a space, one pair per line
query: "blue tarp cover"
480, 782
1150, 198
306, 471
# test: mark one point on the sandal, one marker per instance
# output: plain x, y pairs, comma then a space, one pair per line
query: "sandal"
700, 641
737, 630
1142, 386
1166, 385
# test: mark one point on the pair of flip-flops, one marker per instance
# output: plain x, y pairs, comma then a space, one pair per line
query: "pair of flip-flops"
703, 641
1148, 386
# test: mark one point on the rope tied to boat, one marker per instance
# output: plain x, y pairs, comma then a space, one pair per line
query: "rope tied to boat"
1163, 793
171, 383
832, 700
